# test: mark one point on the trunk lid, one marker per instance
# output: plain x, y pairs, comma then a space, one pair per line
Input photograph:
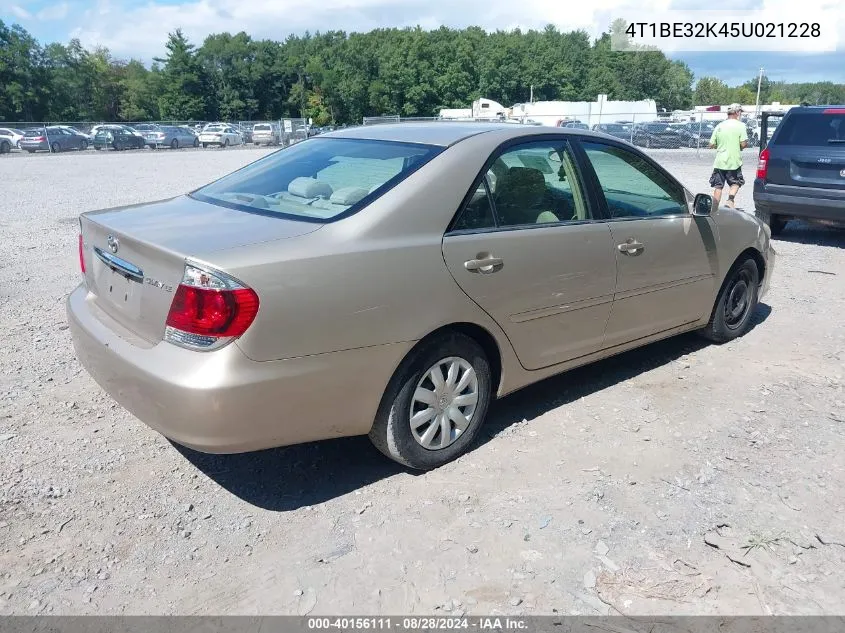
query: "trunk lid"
135, 256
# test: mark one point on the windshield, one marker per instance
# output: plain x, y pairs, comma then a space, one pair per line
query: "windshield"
319, 179
261, 128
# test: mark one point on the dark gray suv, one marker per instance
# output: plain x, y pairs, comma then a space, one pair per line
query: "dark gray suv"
801, 171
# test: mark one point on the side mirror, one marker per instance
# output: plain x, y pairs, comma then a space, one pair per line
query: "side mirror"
703, 204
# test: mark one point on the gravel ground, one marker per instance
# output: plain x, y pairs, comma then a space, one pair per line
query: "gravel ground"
681, 478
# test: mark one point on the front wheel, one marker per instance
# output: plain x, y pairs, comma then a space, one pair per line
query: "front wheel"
735, 304
225, 142
5, 148
435, 404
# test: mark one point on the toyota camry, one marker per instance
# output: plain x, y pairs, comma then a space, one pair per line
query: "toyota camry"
394, 280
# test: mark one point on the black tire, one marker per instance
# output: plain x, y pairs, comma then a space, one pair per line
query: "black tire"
735, 304
775, 223
5, 147
225, 142
56, 148
83, 146
391, 432
174, 144
196, 142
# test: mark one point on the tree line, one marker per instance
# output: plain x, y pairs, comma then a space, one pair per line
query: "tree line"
338, 77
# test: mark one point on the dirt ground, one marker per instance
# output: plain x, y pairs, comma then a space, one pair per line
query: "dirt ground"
681, 478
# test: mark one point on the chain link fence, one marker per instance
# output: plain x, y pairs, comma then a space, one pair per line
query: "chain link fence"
689, 130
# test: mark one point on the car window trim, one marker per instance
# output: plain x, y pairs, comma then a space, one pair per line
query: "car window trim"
599, 192
482, 176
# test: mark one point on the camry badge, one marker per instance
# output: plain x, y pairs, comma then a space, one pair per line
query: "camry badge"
113, 243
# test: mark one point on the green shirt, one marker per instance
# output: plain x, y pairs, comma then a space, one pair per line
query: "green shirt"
726, 137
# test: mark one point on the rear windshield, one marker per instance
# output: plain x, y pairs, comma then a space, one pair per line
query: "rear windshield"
214, 128
318, 179
31, 133
261, 128
812, 128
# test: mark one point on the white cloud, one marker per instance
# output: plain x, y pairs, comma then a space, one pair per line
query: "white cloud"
54, 12
18, 11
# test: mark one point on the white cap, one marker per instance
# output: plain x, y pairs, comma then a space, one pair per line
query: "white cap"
734, 108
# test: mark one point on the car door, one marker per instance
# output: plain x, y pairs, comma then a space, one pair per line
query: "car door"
527, 248
665, 256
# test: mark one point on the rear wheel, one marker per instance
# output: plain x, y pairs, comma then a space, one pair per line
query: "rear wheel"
775, 223
435, 404
83, 145
174, 144
196, 142
56, 148
735, 304
225, 142
5, 147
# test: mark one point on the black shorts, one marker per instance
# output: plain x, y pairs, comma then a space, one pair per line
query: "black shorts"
730, 176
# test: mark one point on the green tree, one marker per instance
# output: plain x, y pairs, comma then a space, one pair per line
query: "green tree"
184, 89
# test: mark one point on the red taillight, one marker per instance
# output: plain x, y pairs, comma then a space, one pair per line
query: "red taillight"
38, 138
81, 254
763, 164
833, 111
209, 309
209, 312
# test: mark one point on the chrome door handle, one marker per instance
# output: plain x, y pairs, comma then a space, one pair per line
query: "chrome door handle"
631, 247
485, 265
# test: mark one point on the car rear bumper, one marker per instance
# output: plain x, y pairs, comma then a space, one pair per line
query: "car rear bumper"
224, 402
41, 146
800, 202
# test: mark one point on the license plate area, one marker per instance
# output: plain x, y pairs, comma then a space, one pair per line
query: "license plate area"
119, 283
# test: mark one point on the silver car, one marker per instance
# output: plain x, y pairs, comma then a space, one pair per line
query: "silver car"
393, 280
171, 136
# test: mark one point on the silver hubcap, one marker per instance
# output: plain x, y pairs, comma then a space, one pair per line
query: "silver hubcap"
444, 403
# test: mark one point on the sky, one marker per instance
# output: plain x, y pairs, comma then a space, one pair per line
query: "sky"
139, 28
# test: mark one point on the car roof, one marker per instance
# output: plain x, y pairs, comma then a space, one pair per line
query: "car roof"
446, 133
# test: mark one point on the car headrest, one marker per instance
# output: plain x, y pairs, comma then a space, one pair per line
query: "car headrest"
304, 187
522, 184
348, 195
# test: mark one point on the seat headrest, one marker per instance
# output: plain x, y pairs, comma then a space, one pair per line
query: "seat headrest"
348, 195
309, 188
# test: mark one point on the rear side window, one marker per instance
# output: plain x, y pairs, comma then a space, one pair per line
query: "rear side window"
320, 179
818, 129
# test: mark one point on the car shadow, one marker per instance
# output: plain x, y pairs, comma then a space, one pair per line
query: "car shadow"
814, 234
285, 479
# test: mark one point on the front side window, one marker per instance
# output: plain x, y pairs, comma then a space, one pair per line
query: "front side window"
632, 186
320, 179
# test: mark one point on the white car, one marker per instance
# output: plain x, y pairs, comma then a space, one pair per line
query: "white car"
12, 135
221, 135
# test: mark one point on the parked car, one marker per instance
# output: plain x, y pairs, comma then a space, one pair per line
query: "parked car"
619, 130
657, 134
577, 125
245, 132
220, 134
266, 133
52, 139
79, 132
171, 136
118, 137
10, 138
801, 172
696, 134
380, 280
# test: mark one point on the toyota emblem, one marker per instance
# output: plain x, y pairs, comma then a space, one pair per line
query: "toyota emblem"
113, 243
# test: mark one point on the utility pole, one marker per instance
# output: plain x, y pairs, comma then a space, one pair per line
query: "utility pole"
531, 99
757, 105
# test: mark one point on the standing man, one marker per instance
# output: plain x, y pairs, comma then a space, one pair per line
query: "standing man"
729, 138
